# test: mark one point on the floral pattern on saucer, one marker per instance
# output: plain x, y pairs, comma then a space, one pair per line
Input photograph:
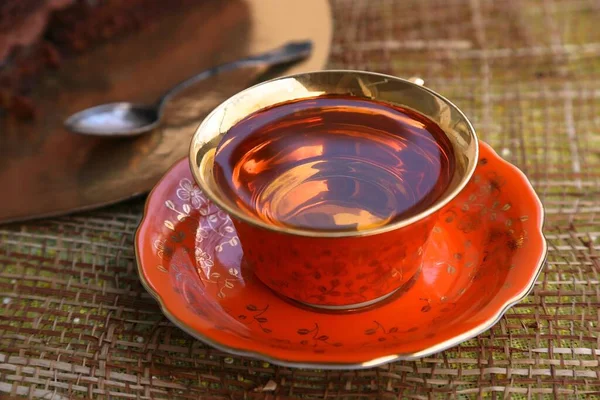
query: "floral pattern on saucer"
483, 256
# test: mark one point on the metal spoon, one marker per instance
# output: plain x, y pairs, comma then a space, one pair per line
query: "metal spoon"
130, 119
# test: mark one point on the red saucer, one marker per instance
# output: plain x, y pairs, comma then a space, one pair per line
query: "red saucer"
483, 256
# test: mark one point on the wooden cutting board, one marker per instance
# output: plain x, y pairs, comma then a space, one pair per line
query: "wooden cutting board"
47, 171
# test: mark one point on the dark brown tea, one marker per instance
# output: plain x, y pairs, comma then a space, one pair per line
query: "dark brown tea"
334, 163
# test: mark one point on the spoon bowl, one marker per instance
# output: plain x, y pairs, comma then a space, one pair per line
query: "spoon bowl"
114, 119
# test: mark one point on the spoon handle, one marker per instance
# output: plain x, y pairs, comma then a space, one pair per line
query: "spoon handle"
290, 52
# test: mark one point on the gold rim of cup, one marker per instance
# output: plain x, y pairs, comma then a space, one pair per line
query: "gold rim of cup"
366, 85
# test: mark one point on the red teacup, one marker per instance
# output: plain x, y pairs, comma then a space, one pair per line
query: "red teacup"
319, 265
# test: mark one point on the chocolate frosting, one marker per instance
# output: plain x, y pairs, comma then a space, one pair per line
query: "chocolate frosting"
22, 22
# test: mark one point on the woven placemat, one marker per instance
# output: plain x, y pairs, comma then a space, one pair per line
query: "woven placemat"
76, 323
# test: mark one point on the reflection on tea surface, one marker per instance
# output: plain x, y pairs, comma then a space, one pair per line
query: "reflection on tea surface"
334, 163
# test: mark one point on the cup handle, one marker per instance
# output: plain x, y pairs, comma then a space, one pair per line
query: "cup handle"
416, 80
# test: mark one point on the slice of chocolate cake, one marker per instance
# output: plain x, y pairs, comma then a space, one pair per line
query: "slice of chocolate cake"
35, 35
